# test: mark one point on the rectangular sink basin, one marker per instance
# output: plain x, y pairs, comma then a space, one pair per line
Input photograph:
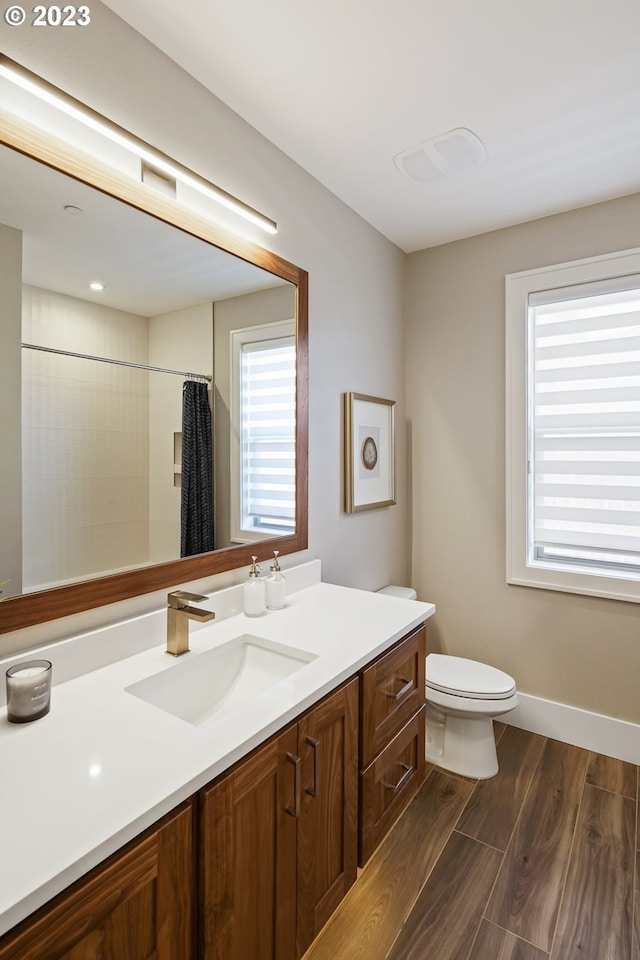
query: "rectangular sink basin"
202, 688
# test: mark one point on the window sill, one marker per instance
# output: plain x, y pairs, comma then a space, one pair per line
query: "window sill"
550, 577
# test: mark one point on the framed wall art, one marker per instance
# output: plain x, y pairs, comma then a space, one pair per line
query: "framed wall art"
369, 452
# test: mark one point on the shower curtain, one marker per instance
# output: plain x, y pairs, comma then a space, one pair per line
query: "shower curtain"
196, 519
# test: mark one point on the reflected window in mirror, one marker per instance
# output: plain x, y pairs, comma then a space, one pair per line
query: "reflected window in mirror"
264, 449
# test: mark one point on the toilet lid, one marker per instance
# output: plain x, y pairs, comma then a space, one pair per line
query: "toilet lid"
468, 678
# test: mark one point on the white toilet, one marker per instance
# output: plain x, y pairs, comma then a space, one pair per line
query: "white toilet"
463, 696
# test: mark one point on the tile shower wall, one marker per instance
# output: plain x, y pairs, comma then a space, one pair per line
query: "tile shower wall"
10, 473
85, 441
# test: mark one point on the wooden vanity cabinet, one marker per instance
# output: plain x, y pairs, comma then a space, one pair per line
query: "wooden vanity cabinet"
248, 855
137, 905
392, 738
327, 854
278, 847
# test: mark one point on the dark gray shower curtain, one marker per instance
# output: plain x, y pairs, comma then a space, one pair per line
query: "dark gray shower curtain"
196, 520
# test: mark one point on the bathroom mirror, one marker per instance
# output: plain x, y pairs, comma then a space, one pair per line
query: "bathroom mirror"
179, 294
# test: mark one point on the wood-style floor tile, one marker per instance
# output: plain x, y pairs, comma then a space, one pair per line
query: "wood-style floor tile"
498, 729
493, 943
613, 775
635, 952
446, 915
421, 895
367, 921
491, 813
527, 893
595, 921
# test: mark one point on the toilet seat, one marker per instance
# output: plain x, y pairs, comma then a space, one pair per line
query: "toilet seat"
458, 677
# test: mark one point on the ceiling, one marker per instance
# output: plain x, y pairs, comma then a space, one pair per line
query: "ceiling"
551, 88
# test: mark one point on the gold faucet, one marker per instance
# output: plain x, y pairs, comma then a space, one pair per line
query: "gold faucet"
178, 615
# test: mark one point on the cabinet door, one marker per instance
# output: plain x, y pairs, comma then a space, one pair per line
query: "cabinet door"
135, 906
390, 782
328, 823
247, 857
392, 691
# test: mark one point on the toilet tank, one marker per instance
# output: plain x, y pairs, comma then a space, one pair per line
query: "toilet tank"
407, 593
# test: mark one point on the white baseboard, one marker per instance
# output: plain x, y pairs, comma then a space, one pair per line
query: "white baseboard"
592, 731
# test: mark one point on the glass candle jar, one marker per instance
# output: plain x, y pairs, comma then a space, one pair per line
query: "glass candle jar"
28, 690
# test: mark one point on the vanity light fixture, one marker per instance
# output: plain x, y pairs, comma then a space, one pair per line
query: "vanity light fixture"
19, 75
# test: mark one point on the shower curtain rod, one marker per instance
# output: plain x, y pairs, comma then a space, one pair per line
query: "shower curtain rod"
120, 363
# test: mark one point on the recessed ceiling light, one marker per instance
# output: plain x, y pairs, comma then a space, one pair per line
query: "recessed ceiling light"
72, 210
96, 285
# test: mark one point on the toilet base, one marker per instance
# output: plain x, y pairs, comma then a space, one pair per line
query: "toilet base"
467, 747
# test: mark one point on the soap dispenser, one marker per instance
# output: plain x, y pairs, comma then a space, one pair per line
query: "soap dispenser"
275, 585
254, 591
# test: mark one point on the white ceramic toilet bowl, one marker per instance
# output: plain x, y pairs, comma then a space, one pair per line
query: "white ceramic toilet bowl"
462, 697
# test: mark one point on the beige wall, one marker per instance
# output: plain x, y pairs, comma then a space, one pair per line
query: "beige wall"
577, 650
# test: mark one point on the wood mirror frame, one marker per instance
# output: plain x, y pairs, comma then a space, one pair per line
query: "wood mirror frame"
33, 608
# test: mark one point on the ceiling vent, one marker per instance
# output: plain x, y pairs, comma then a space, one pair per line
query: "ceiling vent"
441, 156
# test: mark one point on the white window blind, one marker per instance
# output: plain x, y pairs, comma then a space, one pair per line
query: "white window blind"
267, 442
584, 427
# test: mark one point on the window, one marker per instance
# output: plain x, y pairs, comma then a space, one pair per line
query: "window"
264, 462
573, 427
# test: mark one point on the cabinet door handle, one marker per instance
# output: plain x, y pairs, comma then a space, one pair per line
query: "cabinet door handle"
407, 685
296, 785
408, 770
315, 745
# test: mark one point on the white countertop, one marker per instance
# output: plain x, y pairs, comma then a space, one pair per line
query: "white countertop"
104, 765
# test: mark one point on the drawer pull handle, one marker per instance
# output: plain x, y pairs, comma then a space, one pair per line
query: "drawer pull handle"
315, 744
408, 771
291, 758
407, 686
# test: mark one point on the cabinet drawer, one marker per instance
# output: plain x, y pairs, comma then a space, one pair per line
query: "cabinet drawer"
389, 784
135, 906
392, 691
